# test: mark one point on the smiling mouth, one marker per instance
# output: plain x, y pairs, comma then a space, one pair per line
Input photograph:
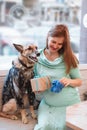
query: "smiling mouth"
33, 58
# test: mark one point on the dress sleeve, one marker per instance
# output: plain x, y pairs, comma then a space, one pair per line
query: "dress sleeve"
35, 72
75, 73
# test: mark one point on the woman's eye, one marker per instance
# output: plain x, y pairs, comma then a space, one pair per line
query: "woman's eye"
53, 42
60, 44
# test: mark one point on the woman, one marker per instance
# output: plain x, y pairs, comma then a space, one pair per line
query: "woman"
57, 61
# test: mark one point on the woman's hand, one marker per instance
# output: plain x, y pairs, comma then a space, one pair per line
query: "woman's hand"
65, 81
72, 82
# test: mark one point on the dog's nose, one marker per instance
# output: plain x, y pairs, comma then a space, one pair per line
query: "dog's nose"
38, 54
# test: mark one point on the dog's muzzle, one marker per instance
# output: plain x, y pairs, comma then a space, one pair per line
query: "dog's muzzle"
34, 56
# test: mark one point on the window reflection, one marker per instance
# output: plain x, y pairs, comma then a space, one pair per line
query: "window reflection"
27, 21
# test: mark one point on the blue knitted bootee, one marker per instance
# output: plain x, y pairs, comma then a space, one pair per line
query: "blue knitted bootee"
56, 86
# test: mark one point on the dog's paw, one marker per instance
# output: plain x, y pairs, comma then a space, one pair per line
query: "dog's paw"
13, 117
34, 116
25, 120
27, 113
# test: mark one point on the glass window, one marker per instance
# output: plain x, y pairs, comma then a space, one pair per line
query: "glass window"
28, 21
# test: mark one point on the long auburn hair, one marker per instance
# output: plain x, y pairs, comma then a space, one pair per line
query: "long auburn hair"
69, 57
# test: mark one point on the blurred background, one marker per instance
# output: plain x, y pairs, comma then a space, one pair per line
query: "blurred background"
28, 21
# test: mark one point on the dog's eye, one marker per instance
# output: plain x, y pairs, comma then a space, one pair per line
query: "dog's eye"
29, 48
36, 47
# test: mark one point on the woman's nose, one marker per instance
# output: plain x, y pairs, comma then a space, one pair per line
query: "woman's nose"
56, 46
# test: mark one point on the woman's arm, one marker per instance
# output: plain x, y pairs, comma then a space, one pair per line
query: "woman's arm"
72, 82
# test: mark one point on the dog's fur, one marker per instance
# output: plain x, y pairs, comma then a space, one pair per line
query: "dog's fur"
18, 83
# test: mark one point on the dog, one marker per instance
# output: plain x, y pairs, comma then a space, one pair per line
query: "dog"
17, 84
85, 96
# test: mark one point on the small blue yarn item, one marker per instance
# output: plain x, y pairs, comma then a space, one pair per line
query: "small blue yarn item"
56, 86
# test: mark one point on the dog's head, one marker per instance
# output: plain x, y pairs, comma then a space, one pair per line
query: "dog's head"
28, 54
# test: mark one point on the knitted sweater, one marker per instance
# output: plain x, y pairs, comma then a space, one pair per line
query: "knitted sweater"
56, 70
52, 109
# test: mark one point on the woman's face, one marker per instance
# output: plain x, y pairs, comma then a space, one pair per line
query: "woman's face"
55, 43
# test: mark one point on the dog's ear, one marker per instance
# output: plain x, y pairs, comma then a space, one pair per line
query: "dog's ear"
18, 47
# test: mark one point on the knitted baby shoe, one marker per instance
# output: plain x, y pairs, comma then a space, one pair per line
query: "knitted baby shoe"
56, 86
